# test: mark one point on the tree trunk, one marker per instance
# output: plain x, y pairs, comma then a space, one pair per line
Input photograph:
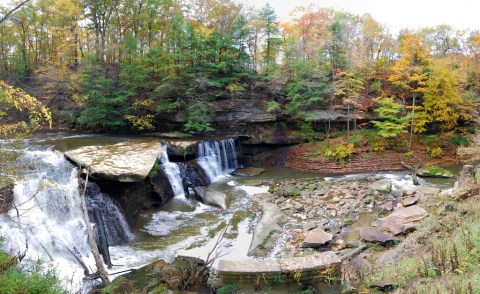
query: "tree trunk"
91, 239
412, 122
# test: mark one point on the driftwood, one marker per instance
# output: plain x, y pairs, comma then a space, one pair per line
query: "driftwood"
414, 170
102, 273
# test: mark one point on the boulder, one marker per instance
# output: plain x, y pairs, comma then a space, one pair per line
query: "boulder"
210, 196
374, 235
316, 238
182, 148
161, 185
129, 161
401, 220
384, 186
434, 172
248, 171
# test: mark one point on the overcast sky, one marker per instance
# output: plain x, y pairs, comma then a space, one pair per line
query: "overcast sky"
460, 14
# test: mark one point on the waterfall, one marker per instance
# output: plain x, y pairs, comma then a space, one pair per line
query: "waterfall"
173, 173
217, 157
48, 217
116, 227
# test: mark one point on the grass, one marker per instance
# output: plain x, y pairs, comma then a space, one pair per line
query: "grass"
446, 256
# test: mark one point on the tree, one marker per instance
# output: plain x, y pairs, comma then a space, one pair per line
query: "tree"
271, 31
442, 99
103, 108
393, 123
410, 73
347, 86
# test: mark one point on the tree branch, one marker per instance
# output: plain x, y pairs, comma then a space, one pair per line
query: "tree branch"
7, 15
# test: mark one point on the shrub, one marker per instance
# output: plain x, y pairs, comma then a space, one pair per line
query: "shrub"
228, 289
435, 152
340, 152
459, 140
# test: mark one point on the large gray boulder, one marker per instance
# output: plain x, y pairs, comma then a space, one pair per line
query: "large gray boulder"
210, 196
129, 161
401, 220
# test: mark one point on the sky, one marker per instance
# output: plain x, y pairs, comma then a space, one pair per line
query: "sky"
395, 14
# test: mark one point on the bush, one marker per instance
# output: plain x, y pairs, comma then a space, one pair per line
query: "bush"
340, 152
435, 152
459, 140
37, 280
228, 289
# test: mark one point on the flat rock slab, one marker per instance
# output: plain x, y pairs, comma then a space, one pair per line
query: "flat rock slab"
129, 161
250, 267
182, 147
428, 191
273, 267
266, 227
374, 235
401, 220
316, 238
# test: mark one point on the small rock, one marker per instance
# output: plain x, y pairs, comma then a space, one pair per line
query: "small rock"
409, 201
371, 234
401, 220
316, 238
388, 206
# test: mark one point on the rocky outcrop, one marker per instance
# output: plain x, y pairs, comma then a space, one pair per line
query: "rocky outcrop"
181, 148
129, 161
210, 196
161, 185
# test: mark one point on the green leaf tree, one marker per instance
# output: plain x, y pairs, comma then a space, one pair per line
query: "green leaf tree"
392, 123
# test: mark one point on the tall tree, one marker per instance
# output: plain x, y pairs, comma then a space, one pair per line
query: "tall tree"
410, 73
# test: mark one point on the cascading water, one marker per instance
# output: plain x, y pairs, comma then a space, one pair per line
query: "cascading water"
117, 230
47, 217
173, 173
217, 157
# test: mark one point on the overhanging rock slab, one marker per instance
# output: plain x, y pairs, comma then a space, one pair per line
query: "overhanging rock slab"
129, 161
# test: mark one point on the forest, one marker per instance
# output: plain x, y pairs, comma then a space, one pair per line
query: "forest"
122, 65
232, 95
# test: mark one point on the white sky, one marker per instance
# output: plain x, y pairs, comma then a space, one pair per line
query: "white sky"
398, 14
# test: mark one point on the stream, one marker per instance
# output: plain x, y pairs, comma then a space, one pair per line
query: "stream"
181, 227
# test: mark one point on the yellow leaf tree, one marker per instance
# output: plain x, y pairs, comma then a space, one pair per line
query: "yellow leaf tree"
409, 73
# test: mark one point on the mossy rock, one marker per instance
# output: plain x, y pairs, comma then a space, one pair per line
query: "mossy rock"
383, 186
6, 195
434, 172
248, 171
